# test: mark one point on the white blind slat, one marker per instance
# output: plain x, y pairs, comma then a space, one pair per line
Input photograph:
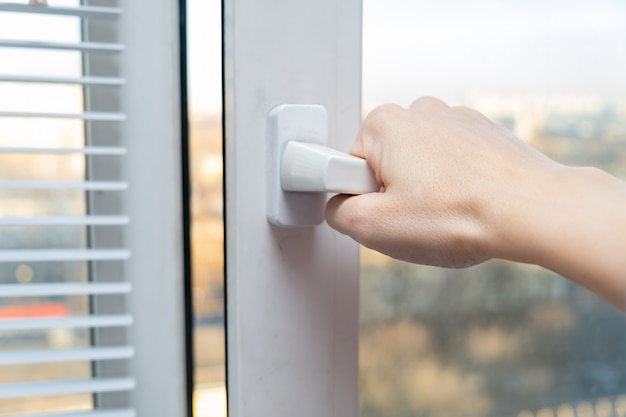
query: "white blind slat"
48, 290
80, 11
31, 357
89, 116
110, 81
64, 185
63, 46
65, 221
95, 413
67, 255
65, 323
87, 150
38, 389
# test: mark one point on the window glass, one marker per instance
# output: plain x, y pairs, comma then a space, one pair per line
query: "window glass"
499, 339
204, 42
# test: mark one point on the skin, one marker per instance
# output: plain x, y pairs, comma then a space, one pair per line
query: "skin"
457, 190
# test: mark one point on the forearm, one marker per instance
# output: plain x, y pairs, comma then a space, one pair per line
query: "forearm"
576, 226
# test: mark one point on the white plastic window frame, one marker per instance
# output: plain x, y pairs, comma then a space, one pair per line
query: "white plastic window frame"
152, 135
292, 294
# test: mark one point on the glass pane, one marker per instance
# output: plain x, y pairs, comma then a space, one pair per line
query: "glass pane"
207, 227
33, 133
499, 339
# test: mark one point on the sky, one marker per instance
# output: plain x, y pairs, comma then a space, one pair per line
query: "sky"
416, 47
447, 48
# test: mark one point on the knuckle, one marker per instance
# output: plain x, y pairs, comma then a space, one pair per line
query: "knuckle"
381, 118
428, 102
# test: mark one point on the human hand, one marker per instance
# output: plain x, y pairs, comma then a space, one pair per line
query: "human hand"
450, 181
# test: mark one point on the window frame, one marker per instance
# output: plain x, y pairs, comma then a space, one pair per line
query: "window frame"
153, 136
292, 294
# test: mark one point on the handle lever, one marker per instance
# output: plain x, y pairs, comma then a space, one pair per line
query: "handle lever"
312, 167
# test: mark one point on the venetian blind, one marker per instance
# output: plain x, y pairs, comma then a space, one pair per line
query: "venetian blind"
103, 253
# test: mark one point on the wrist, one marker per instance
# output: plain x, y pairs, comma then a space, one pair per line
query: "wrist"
572, 222
525, 211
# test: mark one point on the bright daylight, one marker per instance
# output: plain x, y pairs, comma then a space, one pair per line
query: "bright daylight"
500, 339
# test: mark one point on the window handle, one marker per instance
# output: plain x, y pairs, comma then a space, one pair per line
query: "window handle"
301, 169
310, 167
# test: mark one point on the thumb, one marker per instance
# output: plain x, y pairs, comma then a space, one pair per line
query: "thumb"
354, 215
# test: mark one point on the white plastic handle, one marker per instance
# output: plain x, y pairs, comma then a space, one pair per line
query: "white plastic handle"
315, 168
301, 170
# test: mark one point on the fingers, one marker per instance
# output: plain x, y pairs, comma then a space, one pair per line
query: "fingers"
375, 127
429, 104
383, 119
373, 134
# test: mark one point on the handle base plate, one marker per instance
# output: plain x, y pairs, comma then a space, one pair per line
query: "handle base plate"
287, 122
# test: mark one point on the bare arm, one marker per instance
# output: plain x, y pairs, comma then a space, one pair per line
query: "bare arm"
458, 190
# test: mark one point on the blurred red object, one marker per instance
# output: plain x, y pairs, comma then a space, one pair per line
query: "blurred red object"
43, 310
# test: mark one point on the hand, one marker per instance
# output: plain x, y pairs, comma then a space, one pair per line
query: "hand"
447, 176
457, 190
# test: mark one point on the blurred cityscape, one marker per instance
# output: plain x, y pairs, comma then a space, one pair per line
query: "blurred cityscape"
207, 235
